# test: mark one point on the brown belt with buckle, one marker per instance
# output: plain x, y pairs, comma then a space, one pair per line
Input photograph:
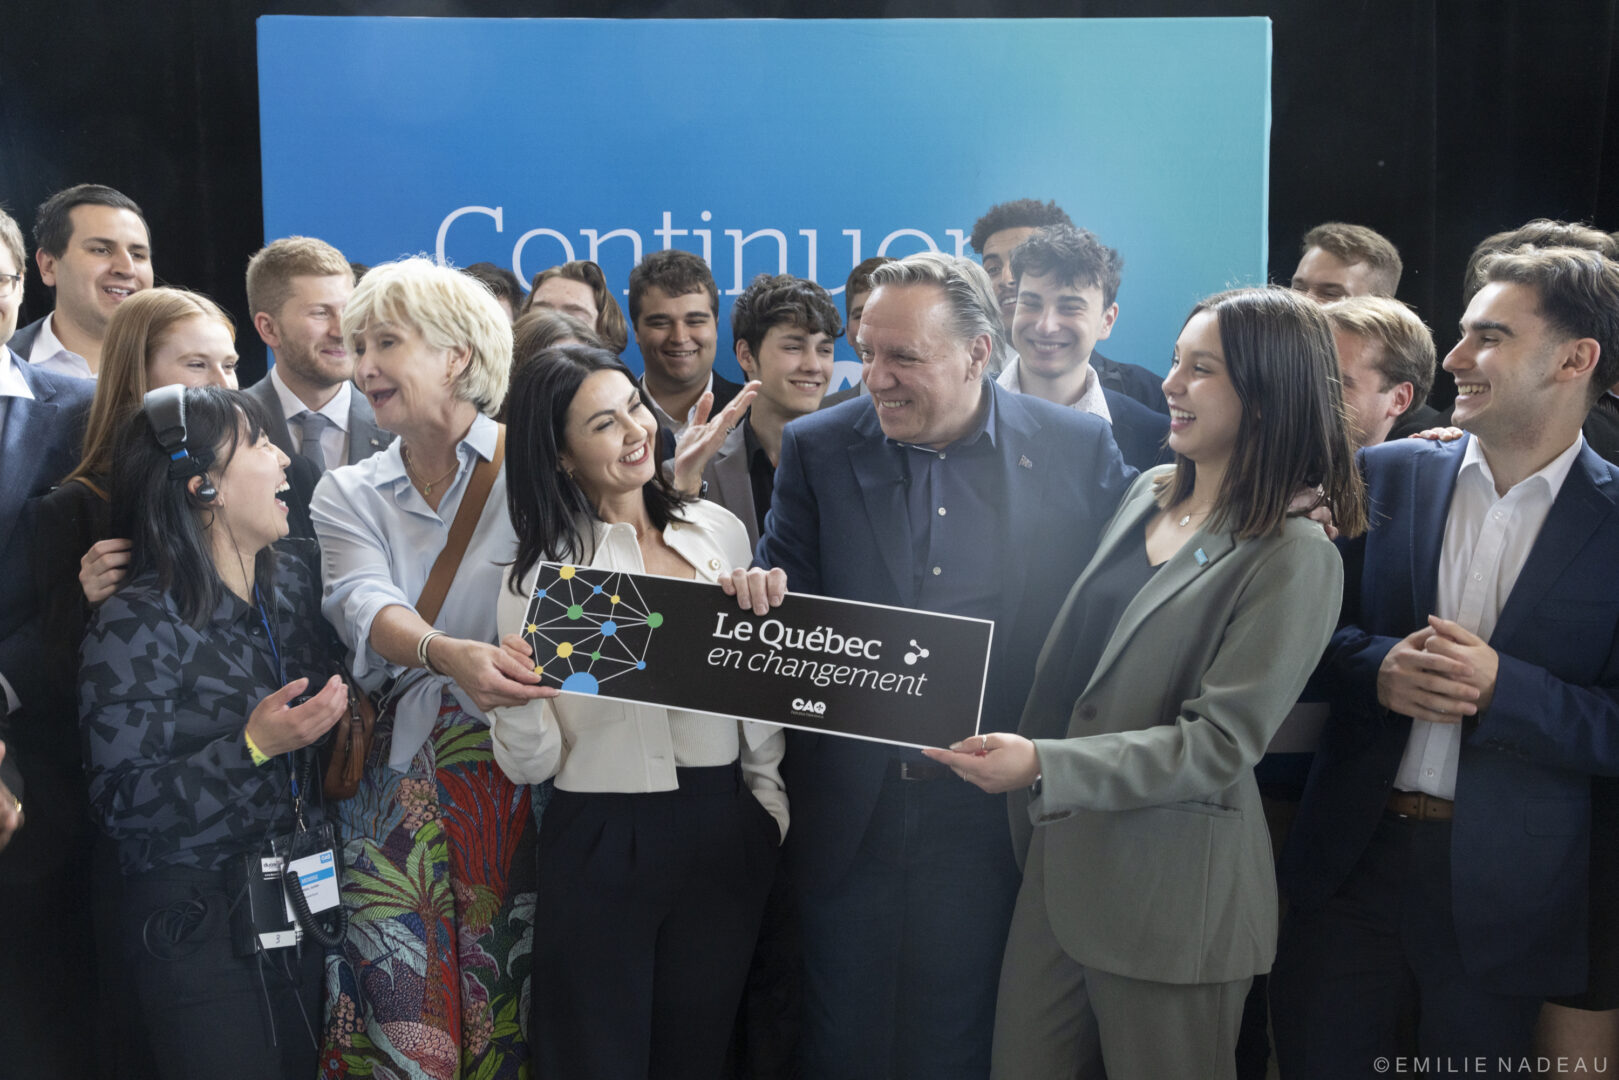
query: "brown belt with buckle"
1414, 804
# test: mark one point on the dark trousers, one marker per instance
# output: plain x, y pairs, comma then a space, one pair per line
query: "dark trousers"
764, 1045
208, 1012
644, 924
1384, 944
902, 957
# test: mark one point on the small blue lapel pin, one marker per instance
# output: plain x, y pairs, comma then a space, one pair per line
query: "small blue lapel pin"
1200, 557
1024, 463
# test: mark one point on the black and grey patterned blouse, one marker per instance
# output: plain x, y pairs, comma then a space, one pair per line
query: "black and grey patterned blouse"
164, 708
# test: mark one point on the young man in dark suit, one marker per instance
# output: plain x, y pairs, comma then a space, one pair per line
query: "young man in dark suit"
996, 235
1386, 360
45, 976
943, 492
95, 252
674, 310
1066, 286
1439, 857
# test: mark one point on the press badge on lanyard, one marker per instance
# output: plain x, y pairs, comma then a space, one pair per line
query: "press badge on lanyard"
309, 854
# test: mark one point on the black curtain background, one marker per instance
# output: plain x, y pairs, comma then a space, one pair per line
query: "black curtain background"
1435, 122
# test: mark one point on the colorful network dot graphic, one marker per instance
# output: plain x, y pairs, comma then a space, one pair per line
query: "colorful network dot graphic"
587, 627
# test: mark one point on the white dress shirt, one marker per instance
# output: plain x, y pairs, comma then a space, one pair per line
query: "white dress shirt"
691, 414
593, 744
1487, 541
1091, 400
334, 440
50, 354
378, 541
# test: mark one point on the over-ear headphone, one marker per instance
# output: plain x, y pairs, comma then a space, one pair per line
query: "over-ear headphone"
165, 410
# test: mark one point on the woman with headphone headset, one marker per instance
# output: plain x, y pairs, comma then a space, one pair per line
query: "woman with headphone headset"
198, 710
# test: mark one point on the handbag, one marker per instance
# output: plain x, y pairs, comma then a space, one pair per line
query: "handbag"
350, 745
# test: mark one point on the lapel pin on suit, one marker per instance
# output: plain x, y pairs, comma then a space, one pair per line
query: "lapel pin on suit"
1024, 462
1201, 558
376, 441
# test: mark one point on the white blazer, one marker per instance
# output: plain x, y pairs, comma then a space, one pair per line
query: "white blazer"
599, 745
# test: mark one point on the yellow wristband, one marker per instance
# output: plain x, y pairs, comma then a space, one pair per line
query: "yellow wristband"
259, 756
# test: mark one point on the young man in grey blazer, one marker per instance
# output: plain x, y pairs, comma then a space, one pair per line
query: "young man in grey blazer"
297, 287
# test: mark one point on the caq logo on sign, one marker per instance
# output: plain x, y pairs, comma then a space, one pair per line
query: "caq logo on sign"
813, 708
765, 146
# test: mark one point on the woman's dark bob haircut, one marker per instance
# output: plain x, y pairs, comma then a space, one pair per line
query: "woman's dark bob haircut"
1281, 359
154, 506
549, 512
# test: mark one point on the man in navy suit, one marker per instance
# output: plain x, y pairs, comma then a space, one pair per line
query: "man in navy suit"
1439, 856
1066, 286
938, 491
41, 426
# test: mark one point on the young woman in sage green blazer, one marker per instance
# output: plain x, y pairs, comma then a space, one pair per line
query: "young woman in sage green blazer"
1149, 900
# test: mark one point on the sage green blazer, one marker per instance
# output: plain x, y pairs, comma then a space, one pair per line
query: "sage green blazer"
1157, 860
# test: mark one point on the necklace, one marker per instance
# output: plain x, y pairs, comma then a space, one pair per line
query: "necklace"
1186, 519
427, 489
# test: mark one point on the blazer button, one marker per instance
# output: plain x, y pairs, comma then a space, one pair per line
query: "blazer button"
1086, 714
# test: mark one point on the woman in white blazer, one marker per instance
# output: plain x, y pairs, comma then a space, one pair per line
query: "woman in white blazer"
658, 846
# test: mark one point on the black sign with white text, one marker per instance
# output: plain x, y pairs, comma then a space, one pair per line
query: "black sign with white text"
836, 666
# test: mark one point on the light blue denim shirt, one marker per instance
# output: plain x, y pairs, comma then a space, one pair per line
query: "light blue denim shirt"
378, 539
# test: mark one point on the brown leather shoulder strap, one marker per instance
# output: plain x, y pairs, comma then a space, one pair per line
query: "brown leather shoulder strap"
461, 529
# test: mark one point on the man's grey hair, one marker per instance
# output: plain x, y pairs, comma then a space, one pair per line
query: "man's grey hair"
973, 307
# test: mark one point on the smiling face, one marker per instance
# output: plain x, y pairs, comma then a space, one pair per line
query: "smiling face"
1205, 412
927, 384
1506, 365
998, 265
248, 507
794, 368
197, 351
307, 333
1324, 277
107, 260
407, 381
676, 335
609, 443
1372, 409
1057, 325
569, 297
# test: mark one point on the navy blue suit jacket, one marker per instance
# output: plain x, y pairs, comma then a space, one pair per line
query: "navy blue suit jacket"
39, 445
1141, 433
838, 527
1521, 835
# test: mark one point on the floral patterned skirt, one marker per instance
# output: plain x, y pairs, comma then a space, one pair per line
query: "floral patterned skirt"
432, 982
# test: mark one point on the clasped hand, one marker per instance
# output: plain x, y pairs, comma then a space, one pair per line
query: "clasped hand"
1442, 673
